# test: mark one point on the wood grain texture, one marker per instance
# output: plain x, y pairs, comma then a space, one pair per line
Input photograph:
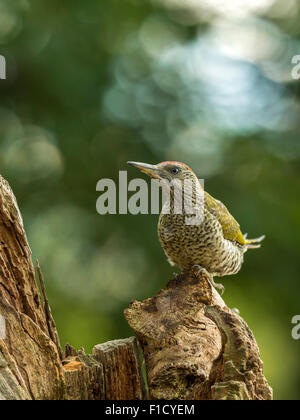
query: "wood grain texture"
122, 369
30, 366
84, 376
112, 372
194, 346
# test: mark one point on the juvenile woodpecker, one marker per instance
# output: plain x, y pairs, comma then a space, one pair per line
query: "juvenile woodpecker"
216, 244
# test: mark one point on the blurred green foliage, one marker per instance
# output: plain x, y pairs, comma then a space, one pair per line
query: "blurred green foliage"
93, 84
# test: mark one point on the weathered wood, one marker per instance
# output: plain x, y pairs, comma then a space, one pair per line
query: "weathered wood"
30, 365
53, 334
194, 346
122, 370
84, 377
113, 372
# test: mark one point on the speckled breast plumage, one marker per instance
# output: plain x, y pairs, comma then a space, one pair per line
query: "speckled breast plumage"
203, 244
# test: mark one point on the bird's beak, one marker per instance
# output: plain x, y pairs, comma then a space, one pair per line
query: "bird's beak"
150, 170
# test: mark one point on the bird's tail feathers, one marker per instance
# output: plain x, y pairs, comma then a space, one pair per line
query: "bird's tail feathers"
254, 243
253, 246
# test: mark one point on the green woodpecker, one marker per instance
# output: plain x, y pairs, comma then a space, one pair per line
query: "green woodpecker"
216, 243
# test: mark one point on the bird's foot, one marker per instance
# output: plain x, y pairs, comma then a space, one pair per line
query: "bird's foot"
198, 271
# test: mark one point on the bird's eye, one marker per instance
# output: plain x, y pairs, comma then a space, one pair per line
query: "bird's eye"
174, 170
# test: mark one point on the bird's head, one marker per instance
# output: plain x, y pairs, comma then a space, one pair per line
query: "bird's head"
168, 170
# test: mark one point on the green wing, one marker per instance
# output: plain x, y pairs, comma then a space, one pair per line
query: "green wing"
230, 227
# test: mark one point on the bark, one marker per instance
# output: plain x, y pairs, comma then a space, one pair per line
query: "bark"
194, 346
113, 372
30, 366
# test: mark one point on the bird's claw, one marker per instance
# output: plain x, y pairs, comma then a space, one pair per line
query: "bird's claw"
218, 286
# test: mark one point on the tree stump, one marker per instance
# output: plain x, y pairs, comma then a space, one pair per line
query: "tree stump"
113, 372
194, 346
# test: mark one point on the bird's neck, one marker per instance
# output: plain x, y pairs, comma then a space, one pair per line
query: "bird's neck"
182, 195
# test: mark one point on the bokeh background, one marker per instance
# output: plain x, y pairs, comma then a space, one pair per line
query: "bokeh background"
93, 84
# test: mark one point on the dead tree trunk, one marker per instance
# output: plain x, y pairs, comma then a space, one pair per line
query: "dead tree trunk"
193, 345
30, 366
